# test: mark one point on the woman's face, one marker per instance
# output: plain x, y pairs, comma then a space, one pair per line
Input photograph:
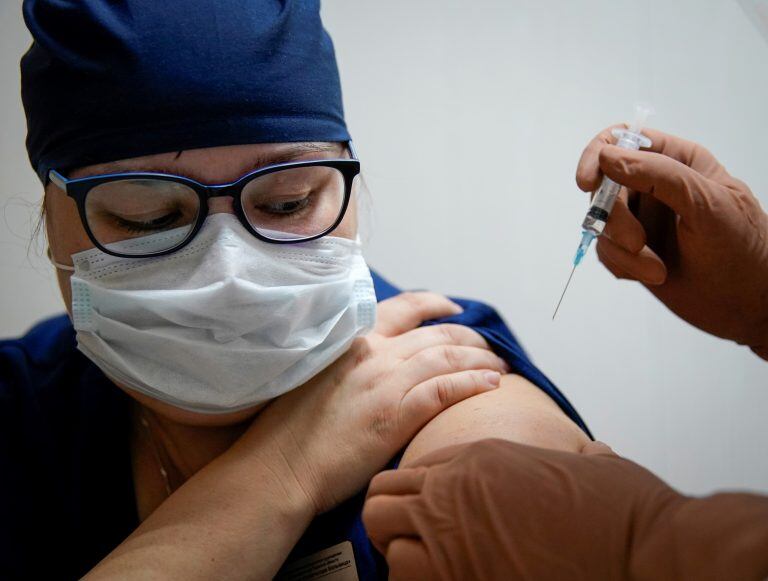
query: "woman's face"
215, 165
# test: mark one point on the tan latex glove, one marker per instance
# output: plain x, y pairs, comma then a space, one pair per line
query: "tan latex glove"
494, 509
693, 234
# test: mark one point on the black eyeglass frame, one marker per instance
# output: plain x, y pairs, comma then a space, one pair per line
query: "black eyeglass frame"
78, 189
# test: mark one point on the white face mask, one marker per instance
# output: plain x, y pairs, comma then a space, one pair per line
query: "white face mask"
225, 323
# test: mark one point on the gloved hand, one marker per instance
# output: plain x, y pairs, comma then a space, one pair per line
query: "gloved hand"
693, 234
494, 509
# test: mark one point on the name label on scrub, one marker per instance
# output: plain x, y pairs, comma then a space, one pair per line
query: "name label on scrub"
336, 563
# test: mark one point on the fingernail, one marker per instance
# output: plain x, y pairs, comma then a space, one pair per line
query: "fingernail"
504, 365
457, 308
492, 378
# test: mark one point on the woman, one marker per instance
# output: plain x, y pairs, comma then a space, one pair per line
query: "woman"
229, 395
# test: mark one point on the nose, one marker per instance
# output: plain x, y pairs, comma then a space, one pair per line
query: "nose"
222, 205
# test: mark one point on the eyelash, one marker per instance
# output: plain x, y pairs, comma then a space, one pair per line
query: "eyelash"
304, 203
157, 224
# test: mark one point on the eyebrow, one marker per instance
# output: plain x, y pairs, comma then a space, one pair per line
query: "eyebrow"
291, 153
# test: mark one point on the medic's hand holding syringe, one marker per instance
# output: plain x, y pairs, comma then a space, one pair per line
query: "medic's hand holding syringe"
602, 202
697, 238
694, 235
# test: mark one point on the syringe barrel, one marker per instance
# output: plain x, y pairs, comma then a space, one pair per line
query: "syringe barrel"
601, 207
602, 203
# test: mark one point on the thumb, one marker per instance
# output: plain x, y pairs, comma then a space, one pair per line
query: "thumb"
597, 448
671, 182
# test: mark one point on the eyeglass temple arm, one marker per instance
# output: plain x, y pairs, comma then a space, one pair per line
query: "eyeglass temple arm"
352, 151
58, 179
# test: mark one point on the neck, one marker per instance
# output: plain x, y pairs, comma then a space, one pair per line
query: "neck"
190, 448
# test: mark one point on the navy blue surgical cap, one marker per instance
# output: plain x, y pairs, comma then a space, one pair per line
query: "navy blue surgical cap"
113, 79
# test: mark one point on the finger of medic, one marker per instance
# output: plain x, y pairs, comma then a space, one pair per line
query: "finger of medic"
409, 559
387, 517
623, 227
588, 173
689, 153
673, 183
644, 266
597, 448
402, 481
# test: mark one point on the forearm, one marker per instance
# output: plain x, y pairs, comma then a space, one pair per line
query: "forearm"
724, 536
238, 518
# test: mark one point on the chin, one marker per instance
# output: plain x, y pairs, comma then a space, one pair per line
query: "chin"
195, 419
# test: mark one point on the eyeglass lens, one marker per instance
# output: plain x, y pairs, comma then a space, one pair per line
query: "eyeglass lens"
145, 216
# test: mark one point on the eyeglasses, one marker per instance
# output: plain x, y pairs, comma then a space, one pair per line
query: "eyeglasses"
142, 214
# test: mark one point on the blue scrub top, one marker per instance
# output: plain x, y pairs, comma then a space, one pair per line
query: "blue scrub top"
66, 485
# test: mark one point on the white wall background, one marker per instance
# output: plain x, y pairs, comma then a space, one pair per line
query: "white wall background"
470, 118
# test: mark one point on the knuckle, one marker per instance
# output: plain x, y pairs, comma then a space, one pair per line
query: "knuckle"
361, 351
360, 355
450, 333
471, 337
602, 157
584, 181
371, 384
451, 357
677, 175
746, 200
382, 424
696, 151
443, 389
414, 300
609, 158
737, 186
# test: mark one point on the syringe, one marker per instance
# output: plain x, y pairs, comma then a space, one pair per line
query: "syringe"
602, 203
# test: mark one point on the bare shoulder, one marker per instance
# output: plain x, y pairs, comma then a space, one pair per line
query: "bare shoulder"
517, 411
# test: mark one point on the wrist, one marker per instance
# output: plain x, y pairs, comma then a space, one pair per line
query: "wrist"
651, 555
718, 537
238, 517
269, 467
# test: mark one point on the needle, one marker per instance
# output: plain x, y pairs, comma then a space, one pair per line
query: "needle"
565, 289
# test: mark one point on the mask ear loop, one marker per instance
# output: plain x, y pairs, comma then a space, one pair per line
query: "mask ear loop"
58, 265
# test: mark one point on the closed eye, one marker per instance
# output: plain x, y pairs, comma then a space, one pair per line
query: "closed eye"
138, 226
285, 207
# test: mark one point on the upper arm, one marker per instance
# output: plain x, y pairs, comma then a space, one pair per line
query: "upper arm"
517, 411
